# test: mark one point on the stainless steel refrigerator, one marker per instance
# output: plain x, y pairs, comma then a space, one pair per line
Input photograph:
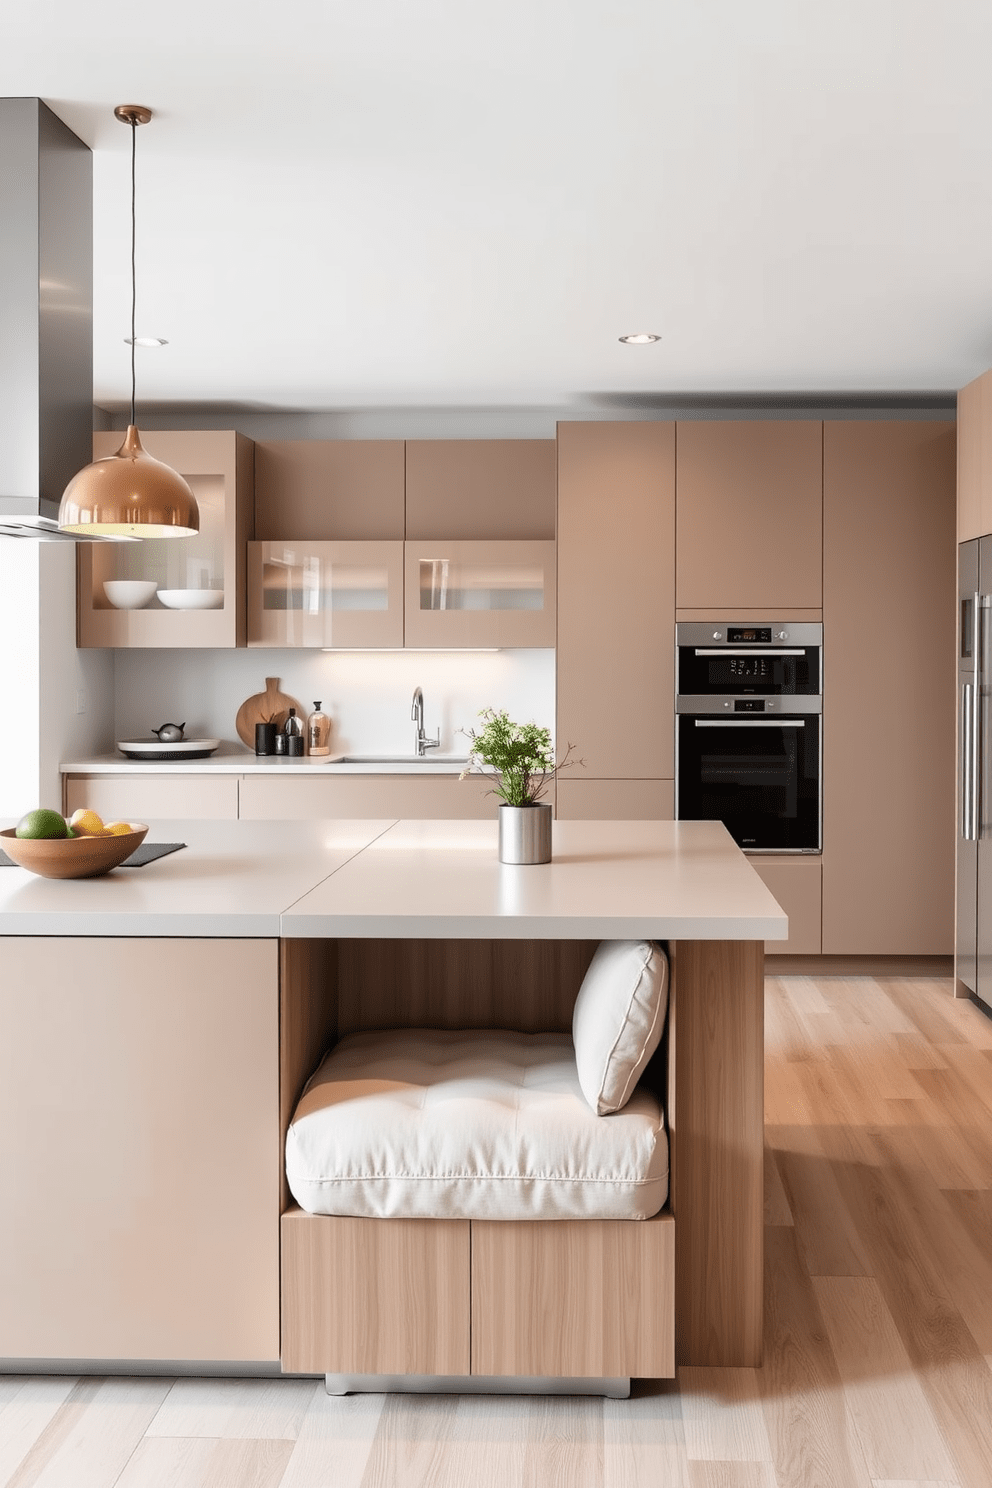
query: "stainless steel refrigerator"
973, 939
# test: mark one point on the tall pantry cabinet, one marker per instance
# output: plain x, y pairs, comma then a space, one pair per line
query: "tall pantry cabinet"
888, 695
616, 618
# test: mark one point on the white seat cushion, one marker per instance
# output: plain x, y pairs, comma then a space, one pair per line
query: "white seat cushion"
418, 1123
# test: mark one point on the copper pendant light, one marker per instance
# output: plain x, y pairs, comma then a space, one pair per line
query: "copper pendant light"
129, 494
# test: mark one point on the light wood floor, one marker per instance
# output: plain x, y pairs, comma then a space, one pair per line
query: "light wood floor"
878, 1338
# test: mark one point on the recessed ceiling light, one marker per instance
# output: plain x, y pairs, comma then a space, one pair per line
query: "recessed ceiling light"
146, 341
640, 338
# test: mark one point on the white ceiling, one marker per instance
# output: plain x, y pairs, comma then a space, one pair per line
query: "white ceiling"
402, 203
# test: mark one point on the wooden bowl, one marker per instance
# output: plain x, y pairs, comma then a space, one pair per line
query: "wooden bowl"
71, 857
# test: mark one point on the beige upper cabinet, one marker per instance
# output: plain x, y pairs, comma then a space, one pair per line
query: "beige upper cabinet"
480, 489
749, 515
328, 489
975, 459
889, 620
208, 569
616, 598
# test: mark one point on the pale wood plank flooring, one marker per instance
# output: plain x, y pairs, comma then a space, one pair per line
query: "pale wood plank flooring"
878, 1330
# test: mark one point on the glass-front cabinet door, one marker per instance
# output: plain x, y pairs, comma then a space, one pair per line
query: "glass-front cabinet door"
175, 591
325, 594
480, 593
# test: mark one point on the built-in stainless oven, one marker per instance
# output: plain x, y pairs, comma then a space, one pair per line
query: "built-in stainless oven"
749, 744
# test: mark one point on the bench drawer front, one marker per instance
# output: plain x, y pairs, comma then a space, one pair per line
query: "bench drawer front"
374, 1296
573, 1298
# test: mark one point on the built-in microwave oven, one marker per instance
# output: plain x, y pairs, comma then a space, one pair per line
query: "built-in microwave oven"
749, 743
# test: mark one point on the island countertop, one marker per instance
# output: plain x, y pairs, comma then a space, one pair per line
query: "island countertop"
429, 879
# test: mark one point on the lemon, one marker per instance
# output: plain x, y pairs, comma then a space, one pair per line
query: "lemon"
85, 823
117, 829
42, 823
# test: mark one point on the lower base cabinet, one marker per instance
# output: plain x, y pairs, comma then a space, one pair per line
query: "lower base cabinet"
571, 1299
147, 797
297, 798
139, 1150
797, 885
291, 797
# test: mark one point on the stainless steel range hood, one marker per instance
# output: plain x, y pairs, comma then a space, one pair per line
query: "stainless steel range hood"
46, 315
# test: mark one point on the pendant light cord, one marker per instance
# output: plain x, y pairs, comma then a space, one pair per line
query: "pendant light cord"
134, 272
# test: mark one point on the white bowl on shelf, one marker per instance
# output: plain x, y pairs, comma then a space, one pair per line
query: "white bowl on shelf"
192, 599
129, 594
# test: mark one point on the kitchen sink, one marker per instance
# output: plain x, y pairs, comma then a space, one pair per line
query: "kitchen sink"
402, 759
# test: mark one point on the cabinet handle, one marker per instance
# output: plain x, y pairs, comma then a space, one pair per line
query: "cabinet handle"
750, 723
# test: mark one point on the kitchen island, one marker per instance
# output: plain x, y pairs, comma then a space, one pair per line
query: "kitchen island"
157, 1024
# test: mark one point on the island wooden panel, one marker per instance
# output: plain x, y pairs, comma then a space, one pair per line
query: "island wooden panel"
307, 1024
717, 1117
139, 1149
573, 1298
529, 985
374, 1296
749, 513
889, 707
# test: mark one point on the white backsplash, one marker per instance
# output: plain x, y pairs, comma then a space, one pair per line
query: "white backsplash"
366, 694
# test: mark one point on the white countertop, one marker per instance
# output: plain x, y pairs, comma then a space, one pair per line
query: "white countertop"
432, 879
234, 759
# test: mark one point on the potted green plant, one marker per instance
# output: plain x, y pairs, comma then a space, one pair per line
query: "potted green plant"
522, 757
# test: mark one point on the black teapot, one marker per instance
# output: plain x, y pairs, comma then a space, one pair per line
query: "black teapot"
169, 733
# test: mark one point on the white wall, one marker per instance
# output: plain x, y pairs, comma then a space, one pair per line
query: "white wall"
76, 688
367, 694
19, 668
42, 676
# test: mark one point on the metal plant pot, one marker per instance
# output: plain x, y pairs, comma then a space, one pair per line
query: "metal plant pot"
525, 833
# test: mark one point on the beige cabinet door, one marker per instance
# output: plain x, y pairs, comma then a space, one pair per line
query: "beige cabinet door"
299, 797
480, 488
465, 594
889, 637
144, 798
189, 571
796, 884
325, 594
749, 514
974, 433
328, 489
139, 1150
616, 599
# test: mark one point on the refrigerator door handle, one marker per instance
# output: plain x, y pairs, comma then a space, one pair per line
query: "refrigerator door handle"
969, 761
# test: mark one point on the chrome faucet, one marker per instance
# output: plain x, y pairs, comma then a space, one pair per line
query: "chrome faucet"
421, 741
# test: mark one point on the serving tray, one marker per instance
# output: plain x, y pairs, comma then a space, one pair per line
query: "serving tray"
175, 749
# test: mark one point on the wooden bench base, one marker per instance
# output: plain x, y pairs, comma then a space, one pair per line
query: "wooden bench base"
575, 1298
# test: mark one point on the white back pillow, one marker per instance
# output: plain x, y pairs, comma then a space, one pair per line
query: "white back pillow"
618, 1019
